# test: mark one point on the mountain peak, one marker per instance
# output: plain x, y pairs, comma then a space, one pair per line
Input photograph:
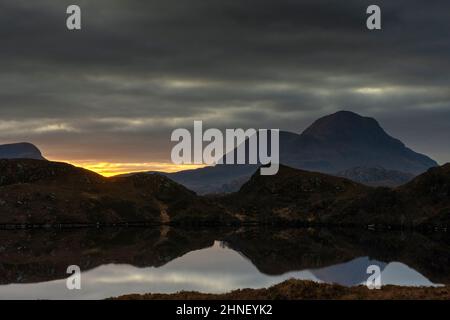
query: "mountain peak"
332, 144
22, 150
351, 127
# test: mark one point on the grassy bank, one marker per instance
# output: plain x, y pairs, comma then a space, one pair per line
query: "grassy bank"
298, 289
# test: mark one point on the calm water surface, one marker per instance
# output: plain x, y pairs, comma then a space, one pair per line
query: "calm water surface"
116, 262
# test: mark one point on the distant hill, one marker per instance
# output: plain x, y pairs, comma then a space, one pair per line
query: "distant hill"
22, 150
332, 144
376, 177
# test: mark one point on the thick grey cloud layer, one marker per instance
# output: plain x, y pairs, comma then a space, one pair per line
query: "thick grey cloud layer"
137, 69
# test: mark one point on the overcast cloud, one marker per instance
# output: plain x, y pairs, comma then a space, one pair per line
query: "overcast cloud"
138, 69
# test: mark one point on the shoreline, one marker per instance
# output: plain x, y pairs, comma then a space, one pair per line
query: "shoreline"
214, 224
306, 290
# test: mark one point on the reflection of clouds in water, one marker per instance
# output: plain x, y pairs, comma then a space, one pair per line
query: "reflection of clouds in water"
215, 269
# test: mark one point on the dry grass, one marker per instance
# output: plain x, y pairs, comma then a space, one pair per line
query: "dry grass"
300, 290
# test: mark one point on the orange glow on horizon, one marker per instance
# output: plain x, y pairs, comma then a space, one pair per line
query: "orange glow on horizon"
109, 169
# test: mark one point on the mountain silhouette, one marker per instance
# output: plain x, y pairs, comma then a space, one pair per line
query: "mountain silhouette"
345, 139
332, 144
21, 150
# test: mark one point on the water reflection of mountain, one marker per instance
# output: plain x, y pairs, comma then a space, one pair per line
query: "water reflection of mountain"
35, 256
349, 273
280, 251
42, 255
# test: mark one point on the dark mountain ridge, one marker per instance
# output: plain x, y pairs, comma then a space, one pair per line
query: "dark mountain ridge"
332, 144
44, 192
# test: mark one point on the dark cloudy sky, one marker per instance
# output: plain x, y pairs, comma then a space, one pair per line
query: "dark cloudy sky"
114, 91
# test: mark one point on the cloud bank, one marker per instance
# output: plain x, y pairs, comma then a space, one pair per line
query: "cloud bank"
114, 91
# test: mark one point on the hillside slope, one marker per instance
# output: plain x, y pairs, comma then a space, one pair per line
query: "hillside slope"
297, 196
42, 192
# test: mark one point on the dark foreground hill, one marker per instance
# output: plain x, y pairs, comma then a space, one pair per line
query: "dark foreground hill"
332, 145
43, 192
292, 195
297, 196
376, 177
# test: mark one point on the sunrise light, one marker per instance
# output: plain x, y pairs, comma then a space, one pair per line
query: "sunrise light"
109, 169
